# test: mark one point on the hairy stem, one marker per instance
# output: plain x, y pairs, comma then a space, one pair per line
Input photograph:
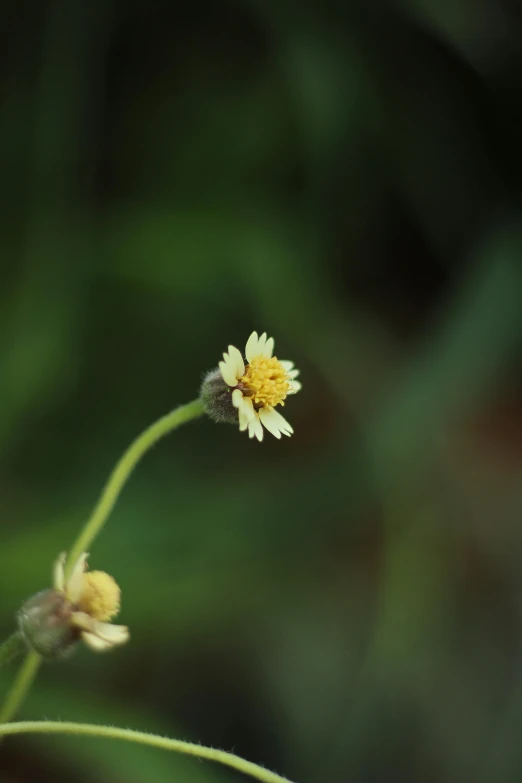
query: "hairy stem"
122, 471
94, 524
13, 646
21, 685
142, 738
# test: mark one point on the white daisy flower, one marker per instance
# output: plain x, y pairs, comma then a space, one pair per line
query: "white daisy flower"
77, 607
259, 385
95, 599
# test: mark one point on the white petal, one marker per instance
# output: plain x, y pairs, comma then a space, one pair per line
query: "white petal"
261, 344
243, 420
114, 634
269, 422
237, 398
248, 407
106, 632
292, 373
286, 364
282, 423
243, 416
255, 428
101, 640
294, 386
230, 359
100, 636
82, 620
227, 371
58, 574
269, 347
244, 407
96, 644
237, 361
251, 347
74, 587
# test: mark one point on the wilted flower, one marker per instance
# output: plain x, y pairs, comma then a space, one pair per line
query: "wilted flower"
75, 608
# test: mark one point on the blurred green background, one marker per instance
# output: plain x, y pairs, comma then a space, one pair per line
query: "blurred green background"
343, 606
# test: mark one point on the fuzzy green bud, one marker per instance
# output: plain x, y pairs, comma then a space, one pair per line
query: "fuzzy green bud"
45, 623
216, 396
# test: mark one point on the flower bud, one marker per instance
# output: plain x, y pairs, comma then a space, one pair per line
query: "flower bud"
216, 396
45, 623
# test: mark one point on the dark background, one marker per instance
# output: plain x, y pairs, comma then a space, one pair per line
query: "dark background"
344, 606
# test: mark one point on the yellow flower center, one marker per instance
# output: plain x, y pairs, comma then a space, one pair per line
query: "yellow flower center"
100, 596
265, 381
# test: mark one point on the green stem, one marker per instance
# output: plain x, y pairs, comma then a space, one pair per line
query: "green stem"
21, 685
13, 646
94, 524
122, 471
141, 738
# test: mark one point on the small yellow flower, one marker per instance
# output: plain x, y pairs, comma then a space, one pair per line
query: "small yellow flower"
95, 598
259, 385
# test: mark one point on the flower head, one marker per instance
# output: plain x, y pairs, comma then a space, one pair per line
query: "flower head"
95, 598
259, 385
79, 607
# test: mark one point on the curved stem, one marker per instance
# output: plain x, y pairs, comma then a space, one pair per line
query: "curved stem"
21, 685
142, 738
13, 646
122, 471
94, 524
